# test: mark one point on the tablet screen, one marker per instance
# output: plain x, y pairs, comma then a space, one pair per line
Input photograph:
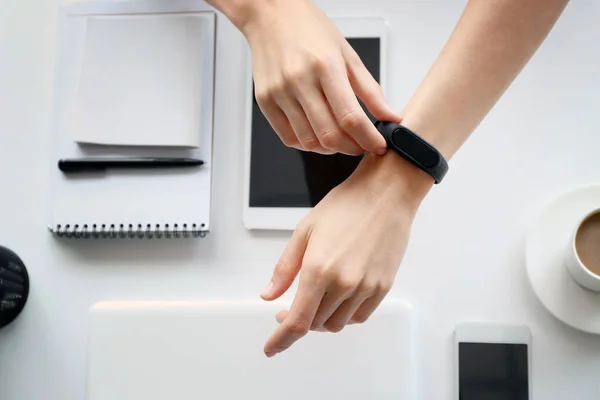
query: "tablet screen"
288, 178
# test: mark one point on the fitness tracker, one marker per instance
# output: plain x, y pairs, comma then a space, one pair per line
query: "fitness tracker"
413, 148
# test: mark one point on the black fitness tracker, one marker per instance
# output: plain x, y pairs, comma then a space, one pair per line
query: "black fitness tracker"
413, 148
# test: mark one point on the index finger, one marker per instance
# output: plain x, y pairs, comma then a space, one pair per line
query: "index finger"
350, 115
298, 321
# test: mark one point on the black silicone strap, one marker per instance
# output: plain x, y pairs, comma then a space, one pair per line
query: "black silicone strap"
414, 148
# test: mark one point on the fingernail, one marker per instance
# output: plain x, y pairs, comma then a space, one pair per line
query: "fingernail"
381, 152
270, 354
268, 289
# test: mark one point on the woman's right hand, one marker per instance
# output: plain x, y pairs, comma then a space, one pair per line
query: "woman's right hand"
307, 78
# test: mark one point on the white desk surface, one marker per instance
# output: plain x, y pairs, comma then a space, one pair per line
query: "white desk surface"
541, 139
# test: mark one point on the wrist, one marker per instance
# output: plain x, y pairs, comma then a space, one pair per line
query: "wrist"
257, 14
396, 178
242, 13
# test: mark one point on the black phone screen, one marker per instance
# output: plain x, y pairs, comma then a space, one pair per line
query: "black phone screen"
493, 371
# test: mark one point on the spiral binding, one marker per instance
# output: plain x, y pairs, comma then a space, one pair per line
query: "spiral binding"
123, 231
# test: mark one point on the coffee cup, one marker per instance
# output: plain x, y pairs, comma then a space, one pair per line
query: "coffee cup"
583, 252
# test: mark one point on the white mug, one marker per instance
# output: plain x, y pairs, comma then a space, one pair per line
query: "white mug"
580, 273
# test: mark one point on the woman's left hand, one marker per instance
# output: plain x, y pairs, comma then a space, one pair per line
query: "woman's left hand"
347, 250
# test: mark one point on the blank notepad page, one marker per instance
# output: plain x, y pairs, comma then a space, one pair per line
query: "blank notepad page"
141, 80
133, 73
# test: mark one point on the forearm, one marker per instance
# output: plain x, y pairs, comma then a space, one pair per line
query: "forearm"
492, 42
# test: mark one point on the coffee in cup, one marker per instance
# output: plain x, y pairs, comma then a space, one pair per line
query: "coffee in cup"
583, 255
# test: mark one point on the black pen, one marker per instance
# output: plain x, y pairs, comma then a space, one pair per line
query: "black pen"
90, 164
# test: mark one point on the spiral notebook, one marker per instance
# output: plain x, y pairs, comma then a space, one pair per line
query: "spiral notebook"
156, 203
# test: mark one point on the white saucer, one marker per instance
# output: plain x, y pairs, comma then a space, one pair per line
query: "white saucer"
545, 253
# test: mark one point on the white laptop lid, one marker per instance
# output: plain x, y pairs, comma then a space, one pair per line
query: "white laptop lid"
214, 350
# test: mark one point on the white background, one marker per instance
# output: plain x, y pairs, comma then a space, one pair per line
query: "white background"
465, 259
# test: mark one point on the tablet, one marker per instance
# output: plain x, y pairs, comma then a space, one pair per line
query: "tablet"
281, 184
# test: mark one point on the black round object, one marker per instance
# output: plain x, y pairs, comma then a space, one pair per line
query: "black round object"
14, 286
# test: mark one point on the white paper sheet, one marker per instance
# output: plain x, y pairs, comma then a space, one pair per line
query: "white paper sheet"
141, 80
162, 201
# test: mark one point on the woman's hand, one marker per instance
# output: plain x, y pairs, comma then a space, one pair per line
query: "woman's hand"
307, 79
347, 250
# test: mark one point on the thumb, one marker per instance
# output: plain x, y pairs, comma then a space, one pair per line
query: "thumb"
368, 90
287, 267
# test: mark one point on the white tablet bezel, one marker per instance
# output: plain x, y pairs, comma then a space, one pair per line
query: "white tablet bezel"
279, 218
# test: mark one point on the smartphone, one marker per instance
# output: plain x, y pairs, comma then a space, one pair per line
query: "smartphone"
493, 362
